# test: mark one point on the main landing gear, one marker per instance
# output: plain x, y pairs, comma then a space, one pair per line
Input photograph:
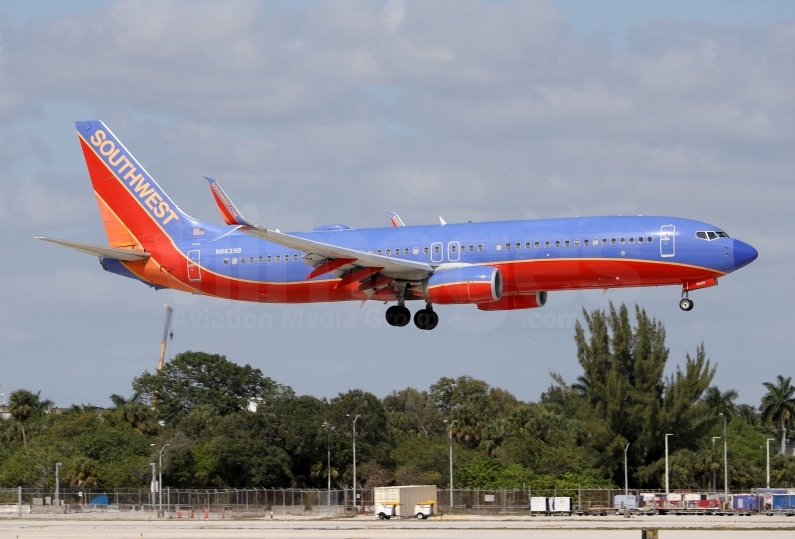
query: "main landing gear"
686, 304
399, 316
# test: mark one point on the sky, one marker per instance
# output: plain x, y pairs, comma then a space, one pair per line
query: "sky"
332, 112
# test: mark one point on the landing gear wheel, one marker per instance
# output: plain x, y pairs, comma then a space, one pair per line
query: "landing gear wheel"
397, 315
426, 319
686, 304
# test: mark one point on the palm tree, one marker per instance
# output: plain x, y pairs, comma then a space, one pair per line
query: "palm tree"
24, 404
778, 404
721, 402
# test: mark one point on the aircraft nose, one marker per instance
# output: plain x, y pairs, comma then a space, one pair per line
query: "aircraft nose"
744, 254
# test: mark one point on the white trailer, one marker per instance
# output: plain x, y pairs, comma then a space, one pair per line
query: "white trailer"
538, 505
559, 505
408, 501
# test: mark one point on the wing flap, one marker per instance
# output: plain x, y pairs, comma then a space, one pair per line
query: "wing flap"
125, 255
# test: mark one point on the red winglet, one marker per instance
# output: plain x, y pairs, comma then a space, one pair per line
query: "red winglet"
355, 276
329, 266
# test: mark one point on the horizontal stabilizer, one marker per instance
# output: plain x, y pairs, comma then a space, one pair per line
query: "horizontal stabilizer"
125, 255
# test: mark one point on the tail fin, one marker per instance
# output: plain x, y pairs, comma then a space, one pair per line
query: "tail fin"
135, 210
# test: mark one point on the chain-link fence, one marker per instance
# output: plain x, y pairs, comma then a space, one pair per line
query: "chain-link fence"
277, 502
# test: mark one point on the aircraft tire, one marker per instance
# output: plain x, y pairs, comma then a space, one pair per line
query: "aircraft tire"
422, 318
401, 316
390, 314
686, 304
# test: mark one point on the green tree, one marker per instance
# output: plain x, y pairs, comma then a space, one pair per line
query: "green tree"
23, 405
195, 378
778, 404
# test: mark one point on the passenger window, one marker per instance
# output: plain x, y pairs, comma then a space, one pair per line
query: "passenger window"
576, 243
226, 261
528, 245
499, 246
712, 235
379, 252
259, 260
425, 250
557, 243
251, 260
595, 242
604, 241
471, 248
621, 241
406, 251
546, 244
518, 245
388, 252
648, 239
295, 257
640, 239
416, 250
612, 241
268, 259
234, 261
278, 258
436, 249
631, 240
452, 248
507, 245
566, 243
585, 243
537, 244
242, 259
480, 246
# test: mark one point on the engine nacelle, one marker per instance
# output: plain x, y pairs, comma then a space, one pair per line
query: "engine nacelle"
510, 303
469, 284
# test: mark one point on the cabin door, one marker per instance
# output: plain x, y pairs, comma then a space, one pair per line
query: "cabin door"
194, 270
667, 235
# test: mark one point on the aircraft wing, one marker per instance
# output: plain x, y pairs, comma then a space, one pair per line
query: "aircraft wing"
125, 255
319, 253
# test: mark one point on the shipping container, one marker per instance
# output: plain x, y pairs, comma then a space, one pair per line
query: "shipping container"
621, 501
560, 504
783, 501
538, 504
745, 502
405, 498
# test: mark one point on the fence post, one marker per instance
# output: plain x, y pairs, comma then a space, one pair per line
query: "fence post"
19, 502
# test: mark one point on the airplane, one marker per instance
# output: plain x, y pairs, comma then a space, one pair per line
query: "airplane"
495, 266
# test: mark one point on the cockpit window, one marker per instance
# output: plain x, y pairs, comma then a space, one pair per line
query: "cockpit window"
711, 234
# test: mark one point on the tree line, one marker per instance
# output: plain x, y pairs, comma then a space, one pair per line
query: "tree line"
230, 426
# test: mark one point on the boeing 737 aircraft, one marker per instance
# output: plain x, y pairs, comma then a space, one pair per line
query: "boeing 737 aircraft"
502, 265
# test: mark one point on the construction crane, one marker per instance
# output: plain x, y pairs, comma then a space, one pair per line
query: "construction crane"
166, 329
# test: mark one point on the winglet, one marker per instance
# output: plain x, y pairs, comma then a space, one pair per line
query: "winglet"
229, 211
395, 218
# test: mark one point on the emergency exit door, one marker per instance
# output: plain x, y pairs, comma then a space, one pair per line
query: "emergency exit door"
667, 235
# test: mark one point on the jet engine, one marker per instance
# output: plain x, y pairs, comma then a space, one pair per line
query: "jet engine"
510, 303
468, 284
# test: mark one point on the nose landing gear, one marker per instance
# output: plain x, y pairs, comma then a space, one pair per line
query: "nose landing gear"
686, 304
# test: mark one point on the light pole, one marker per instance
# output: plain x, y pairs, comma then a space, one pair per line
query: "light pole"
768, 459
450, 431
666, 469
626, 477
714, 472
725, 462
154, 485
58, 481
328, 428
354, 454
160, 478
